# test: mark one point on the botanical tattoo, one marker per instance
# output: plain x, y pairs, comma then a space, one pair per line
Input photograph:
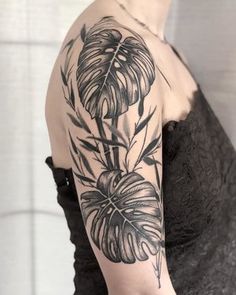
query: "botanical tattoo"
120, 71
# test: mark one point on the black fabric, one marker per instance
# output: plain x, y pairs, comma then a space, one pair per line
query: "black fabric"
199, 186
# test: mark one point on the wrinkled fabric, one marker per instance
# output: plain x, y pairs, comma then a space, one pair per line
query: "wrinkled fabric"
199, 183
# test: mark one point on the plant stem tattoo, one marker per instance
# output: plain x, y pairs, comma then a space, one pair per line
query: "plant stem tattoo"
119, 71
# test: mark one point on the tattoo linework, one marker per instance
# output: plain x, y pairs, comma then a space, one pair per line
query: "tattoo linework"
128, 208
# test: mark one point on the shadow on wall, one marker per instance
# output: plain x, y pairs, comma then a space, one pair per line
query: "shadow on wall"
204, 32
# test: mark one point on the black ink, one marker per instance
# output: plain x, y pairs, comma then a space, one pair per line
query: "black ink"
75, 121
89, 146
119, 71
150, 148
83, 33
127, 214
143, 123
83, 122
107, 57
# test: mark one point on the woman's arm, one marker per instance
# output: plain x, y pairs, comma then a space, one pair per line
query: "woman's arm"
114, 128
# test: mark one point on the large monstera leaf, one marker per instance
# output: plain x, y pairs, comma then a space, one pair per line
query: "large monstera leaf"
114, 69
127, 216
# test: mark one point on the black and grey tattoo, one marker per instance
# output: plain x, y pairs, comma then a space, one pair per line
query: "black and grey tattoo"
117, 71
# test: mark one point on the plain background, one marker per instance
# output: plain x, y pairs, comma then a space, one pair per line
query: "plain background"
36, 256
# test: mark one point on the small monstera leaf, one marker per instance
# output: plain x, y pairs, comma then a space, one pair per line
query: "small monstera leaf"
114, 69
127, 216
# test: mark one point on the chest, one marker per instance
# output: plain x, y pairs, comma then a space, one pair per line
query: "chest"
177, 81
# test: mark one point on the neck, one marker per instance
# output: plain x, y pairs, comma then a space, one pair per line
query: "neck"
153, 13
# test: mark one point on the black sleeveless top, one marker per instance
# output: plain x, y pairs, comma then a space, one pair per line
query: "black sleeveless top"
199, 191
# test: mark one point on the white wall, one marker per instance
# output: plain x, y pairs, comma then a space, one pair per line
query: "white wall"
36, 256
205, 31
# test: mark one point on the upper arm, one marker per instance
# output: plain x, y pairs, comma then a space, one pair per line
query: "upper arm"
115, 140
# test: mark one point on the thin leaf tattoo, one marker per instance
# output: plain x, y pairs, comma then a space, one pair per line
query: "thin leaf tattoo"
118, 71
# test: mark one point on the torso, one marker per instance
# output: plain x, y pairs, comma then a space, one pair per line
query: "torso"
176, 103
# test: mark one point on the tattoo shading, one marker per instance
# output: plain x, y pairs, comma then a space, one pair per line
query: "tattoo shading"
117, 71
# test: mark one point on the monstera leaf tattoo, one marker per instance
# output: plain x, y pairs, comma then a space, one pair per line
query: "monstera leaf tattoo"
127, 213
114, 71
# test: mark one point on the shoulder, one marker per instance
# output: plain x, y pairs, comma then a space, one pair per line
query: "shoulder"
113, 56
119, 53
